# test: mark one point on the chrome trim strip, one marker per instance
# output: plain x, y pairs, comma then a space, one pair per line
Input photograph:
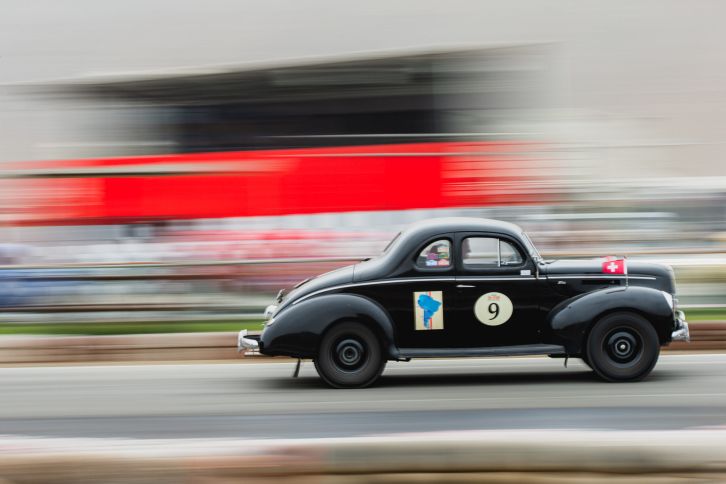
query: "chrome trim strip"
513, 278
455, 279
371, 283
533, 349
604, 276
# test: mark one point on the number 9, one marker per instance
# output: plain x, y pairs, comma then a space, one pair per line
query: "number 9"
494, 309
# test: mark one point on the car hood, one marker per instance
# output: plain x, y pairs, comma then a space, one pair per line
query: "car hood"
593, 267
344, 275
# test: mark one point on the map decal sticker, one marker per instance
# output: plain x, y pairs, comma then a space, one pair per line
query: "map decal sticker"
428, 310
493, 309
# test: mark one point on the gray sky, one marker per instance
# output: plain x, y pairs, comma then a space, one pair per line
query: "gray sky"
41, 39
659, 63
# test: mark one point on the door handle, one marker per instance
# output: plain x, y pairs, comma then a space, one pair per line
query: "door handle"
464, 285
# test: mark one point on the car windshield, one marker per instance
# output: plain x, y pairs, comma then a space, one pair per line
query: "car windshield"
530, 247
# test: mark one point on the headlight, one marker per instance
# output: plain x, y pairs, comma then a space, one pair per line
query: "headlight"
270, 310
668, 297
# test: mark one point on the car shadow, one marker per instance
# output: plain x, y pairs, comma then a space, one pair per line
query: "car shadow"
511, 378
450, 379
442, 379
488, 378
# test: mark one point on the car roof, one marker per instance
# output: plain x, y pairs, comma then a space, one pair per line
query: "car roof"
461, 224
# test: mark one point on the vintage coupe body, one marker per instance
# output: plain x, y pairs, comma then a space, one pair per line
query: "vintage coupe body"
454, 287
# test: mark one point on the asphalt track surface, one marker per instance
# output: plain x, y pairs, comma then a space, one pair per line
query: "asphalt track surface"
262, 400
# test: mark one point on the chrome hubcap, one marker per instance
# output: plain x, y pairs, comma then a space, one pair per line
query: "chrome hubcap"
623, 345
349, 354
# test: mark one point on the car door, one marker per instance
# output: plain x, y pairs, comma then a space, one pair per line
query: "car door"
420, 295
497, 292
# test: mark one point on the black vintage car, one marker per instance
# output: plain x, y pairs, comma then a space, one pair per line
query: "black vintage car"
474, 287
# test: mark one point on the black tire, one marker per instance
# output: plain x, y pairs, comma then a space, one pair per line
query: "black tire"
622, 347
350, 356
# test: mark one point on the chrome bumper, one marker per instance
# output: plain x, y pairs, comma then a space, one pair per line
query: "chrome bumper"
681, 332
244, 343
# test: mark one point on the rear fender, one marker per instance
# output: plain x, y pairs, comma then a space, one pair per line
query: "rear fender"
571, 320
298, 329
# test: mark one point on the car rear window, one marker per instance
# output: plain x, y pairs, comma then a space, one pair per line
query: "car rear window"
436, 254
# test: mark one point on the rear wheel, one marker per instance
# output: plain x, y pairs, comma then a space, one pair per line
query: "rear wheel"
622, 347
350, 356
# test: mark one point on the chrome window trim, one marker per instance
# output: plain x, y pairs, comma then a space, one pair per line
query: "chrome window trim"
496, 278
604, 276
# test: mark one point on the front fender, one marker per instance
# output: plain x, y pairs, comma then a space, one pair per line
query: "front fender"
571, 320
298, 329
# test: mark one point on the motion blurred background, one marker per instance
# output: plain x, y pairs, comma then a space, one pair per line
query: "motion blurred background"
168, 166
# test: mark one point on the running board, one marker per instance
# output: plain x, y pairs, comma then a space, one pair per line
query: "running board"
538, 349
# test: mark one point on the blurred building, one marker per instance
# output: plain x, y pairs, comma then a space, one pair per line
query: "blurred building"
245, 110
399, 132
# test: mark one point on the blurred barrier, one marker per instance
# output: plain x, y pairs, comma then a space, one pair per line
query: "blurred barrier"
536, 456
193, 289
705, 336
238, 288
153, 347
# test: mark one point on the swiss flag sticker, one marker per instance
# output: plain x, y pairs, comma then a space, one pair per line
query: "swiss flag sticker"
613, 265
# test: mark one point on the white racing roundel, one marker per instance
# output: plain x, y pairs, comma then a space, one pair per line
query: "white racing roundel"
493, 309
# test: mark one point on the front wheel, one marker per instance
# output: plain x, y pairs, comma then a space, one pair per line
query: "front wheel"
622, 347
350, 356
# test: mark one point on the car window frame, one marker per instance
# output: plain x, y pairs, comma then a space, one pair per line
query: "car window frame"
463, 269
435, 269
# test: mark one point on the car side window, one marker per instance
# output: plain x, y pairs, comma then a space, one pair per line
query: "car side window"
508, 255
436, 254
487, 252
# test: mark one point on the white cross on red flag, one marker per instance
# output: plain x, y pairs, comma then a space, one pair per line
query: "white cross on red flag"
614, 265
